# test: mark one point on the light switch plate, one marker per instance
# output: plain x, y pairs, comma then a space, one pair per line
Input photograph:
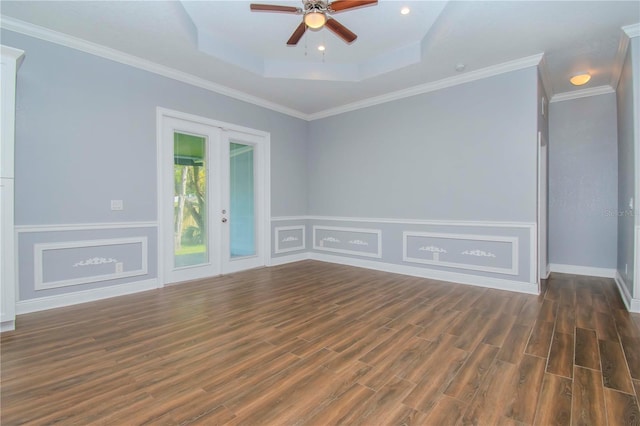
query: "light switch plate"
117, 205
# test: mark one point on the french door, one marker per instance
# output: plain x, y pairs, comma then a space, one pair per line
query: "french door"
212, 201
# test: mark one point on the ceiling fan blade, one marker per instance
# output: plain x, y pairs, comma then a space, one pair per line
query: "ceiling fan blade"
340, 5
273, 8
297, 34
340, 30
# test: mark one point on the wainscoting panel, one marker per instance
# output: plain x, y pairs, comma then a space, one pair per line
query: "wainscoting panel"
354, 241
59, 260
290, 238
484, 253
474, 252
82, 262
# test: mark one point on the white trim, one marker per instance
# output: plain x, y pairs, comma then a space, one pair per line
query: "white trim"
282, 260
543, 69
287, 218
264, 176
583, 270
518, 64
66, 40
279, 229
547, 273
376, 232
632, 30
198, 119
636, 245
533, 255
582, 93
454, 277
68, 299
470, 223
83, 226
137, 62
490, 238
8, 325
632, 305
618, 61
40, 248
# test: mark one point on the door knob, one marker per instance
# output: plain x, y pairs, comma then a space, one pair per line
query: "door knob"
224, 220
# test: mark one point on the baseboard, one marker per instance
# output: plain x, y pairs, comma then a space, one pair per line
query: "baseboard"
633, 305
582, 270
282, 260
61, 300
547, 272
7, 326
475, 280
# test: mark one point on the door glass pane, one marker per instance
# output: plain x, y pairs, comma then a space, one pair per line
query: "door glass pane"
242, 200
190, 200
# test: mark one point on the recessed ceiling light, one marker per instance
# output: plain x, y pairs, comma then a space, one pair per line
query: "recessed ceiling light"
460, 67
580, 79
321, 48
405, 10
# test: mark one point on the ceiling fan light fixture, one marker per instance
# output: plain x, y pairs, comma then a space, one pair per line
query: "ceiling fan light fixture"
315, 20
580, 79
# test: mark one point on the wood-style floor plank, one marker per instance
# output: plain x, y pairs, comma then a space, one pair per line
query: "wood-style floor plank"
313, 343
554, 406
587, 353
587, 405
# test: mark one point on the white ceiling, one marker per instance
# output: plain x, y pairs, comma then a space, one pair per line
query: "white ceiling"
224, 43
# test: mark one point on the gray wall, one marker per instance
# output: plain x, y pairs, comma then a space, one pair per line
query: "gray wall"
627, 145
463, 153
87, 125
583, 182
86, 134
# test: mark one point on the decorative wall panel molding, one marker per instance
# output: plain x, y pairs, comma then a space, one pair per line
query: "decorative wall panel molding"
290, 238
69, 263
486, 253
355, 241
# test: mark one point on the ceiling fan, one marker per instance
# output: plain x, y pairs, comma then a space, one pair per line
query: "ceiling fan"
316, 14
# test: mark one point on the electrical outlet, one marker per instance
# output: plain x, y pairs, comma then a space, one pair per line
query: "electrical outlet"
119, 267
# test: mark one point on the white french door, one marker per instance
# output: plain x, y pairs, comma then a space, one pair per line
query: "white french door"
213, 203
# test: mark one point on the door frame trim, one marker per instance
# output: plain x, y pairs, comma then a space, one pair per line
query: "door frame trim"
161, 114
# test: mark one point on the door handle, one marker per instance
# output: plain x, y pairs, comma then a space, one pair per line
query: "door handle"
224, 220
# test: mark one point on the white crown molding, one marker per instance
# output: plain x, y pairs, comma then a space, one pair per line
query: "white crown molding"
632, 30
582, 93
62, 39
491, 71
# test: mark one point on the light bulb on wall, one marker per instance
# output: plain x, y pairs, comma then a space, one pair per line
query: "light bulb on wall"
315, 20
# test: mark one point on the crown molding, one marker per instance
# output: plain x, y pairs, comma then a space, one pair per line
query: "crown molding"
66, 40
582, 93
632, 30
62, 39
491, 71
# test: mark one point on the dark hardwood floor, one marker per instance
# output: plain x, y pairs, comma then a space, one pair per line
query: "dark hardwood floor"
317, 344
